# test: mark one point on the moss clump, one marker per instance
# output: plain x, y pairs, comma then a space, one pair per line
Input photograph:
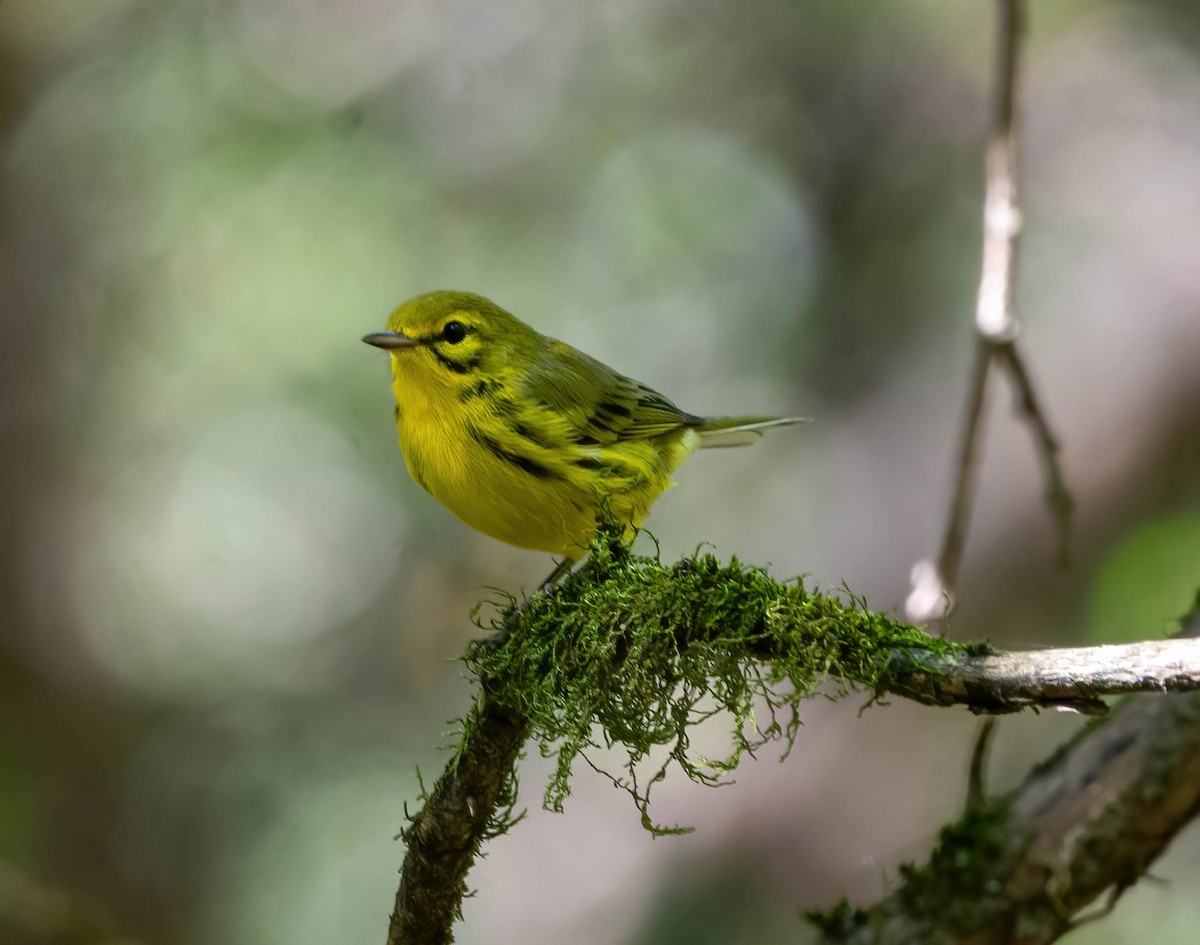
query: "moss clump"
842, 923
959, 886
957, 893
632, 652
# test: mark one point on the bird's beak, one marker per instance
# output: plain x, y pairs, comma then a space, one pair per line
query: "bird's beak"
389, 340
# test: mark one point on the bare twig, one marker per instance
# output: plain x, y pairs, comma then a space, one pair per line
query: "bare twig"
955, 537
1058, 496
977, 775
997, 329
994, 316
1073, 678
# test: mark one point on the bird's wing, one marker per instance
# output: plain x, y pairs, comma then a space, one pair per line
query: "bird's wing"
598, 405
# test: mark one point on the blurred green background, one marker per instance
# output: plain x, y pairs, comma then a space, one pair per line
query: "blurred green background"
230, 619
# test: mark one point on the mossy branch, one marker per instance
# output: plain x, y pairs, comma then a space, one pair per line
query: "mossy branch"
471, 801
630, 652
633, 653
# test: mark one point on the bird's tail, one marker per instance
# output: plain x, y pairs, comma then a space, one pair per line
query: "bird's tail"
740, 431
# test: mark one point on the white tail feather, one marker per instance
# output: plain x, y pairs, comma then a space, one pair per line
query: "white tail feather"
746, 434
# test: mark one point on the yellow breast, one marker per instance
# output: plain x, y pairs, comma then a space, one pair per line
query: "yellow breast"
512, 476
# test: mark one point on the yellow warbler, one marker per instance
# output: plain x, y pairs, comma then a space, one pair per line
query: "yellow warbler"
525, 438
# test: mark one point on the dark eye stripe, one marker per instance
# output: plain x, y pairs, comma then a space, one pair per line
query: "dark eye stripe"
458, 367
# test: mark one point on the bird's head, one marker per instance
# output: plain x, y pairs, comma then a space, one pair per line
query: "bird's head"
455, 340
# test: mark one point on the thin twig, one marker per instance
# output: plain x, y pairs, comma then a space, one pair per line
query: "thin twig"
1058, 496
997, 328
995, 319
955, 537
977, 775
1073, 678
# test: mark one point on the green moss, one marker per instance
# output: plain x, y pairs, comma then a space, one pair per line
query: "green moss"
842, 923
955, 895
959, 886
632, 653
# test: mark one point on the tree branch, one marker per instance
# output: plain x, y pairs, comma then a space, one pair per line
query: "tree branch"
1091, 819
631, 652
1088, 821
445, 836
1072, 678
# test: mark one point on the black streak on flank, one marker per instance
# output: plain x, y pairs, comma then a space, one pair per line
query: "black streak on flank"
609, 470
479, 389
516, 459
505, 408
532, 436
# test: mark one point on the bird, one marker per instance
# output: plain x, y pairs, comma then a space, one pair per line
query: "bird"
528, 439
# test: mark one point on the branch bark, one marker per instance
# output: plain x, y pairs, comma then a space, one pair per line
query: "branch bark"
445, 836
1088, 821
1072, 678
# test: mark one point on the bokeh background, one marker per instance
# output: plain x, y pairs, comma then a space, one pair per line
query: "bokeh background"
230, 620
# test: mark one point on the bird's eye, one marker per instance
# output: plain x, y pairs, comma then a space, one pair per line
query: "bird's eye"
454, 332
